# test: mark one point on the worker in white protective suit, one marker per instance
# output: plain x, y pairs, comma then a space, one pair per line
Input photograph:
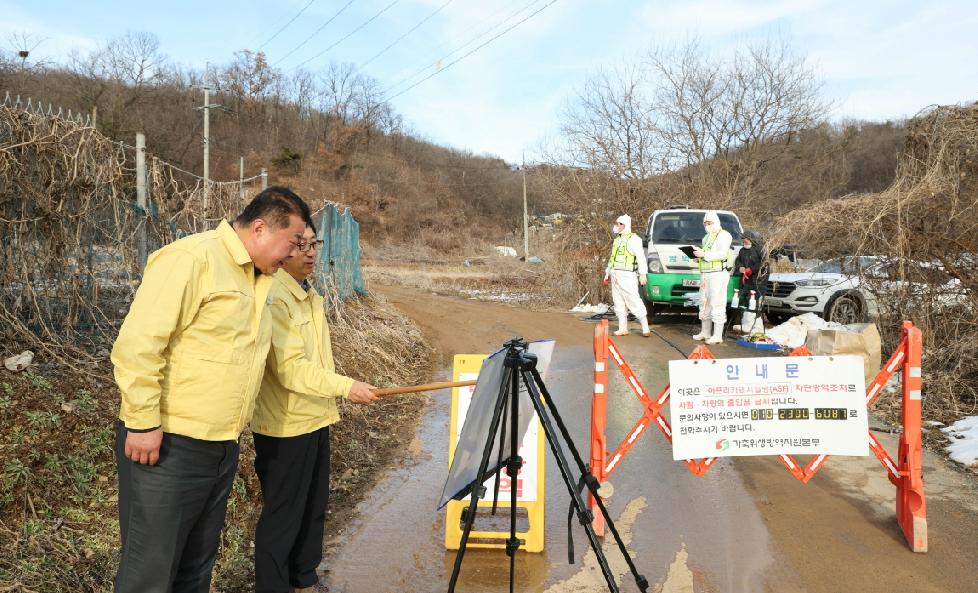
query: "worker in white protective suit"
714, 258
627, 269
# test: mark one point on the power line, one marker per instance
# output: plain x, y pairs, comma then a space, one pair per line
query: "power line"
411, 30
285, 26
441, 59
450, 64
350, 34
314, 33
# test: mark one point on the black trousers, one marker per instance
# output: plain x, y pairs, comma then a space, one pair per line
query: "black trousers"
171, 514
294, 476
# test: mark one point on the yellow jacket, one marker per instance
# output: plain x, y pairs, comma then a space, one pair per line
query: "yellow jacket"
191, 353
299, 390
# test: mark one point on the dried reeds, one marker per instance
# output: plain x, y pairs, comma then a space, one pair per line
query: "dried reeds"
70, 230
926, 225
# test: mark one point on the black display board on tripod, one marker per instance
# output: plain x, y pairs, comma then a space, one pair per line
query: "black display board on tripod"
512, 382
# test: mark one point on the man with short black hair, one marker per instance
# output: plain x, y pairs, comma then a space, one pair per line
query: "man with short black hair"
189, 361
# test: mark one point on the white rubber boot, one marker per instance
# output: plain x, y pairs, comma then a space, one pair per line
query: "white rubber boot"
717, 337
622, 324
644, 321
704, 330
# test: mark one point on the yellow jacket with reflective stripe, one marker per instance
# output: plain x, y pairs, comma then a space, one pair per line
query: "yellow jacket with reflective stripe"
718, 254
191, 352
621, 256
298, 393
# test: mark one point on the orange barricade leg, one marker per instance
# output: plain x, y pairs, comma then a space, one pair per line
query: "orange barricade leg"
599, 414
911, 506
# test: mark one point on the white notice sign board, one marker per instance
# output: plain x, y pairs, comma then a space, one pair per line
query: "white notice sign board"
768, 406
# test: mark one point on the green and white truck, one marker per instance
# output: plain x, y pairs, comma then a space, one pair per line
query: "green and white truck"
673, 276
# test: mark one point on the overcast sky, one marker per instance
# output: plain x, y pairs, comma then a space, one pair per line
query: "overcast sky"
878, 59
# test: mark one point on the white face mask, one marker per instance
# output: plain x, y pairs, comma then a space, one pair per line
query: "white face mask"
615, 230
746, 245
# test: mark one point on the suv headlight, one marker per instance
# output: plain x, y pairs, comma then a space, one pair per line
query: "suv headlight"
655, 266
816, 282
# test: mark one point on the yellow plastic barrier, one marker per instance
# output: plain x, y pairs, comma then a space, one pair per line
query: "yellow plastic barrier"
530, 482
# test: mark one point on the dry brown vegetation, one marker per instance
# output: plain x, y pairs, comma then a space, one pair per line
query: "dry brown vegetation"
926, 222
327, 133
477, 270
69, 231
69, 265
677, 126
58, 530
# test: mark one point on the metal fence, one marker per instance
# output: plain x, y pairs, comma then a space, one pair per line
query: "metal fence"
79, 212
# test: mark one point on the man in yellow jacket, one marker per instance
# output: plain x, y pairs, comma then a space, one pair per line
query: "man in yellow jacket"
296, 406
189, 361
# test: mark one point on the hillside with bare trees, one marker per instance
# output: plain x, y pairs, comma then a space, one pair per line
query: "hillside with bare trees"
678, 126
328, 133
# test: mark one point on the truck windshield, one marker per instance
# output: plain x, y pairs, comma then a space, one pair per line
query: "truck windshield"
683, 228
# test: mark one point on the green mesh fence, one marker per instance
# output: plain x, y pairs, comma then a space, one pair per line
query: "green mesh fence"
338, 267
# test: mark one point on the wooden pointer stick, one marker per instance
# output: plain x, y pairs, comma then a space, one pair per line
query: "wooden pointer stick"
420, 388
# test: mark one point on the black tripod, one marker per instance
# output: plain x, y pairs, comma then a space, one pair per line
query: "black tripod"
520, 368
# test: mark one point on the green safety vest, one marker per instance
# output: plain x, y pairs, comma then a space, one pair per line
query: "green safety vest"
621, 258
712, 266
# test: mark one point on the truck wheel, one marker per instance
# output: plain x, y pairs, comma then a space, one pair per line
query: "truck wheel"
651, 310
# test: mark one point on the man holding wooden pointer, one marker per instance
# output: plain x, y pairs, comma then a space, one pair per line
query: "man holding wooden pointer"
295, 408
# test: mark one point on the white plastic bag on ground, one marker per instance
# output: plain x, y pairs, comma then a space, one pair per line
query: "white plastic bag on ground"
600, 308
794, 332
505, 251
19, 362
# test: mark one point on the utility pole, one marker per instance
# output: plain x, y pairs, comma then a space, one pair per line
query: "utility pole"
206, 108
23, 54
207, 146
526, 216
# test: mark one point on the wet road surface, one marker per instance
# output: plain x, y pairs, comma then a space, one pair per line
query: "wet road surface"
741, 528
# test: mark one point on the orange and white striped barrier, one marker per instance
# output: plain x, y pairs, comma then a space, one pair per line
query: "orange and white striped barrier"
905, 472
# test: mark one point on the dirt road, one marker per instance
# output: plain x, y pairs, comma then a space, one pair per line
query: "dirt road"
747, 526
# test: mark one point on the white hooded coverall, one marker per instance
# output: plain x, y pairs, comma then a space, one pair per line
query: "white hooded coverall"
624, 283
713, 283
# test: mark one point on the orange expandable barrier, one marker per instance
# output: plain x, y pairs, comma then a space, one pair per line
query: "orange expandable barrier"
906, 472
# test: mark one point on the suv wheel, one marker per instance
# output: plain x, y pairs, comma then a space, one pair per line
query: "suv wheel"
846, 308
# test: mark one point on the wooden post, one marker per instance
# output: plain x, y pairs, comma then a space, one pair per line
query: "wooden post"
241, 195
